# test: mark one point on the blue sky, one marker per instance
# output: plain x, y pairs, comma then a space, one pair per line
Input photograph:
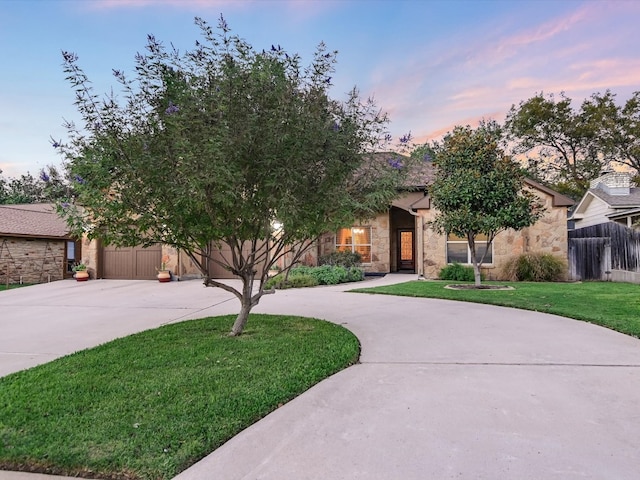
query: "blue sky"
430, 64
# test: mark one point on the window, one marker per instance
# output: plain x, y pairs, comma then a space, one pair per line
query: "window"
71, 256
458, 249
355, 239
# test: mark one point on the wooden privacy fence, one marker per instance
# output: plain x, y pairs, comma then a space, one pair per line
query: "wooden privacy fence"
598, 249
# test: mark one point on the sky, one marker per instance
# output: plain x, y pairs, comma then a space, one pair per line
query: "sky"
430, 64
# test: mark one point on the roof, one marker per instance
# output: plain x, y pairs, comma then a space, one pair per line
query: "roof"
559, 200
619, 201
38, 220
615, 202
624, 213
420, 175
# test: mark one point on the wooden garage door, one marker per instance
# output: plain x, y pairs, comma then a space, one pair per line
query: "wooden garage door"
131, 263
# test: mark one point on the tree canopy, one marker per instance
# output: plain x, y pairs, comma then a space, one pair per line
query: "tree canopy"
224, 144
49, 186
567, 148
478, 190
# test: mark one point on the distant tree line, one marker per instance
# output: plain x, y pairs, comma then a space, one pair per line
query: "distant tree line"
49, 186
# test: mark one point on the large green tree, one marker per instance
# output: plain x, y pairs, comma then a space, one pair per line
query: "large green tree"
620, 133
478, 190
224, 144
564, 146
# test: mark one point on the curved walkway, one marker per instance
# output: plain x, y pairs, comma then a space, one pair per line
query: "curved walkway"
444, 390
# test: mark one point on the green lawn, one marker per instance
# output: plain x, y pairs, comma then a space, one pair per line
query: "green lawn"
150, 405
3, 286
612, 305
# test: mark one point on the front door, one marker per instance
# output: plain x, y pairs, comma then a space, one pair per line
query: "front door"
406, 248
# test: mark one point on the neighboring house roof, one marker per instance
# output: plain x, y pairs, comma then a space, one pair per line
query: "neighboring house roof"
631, 200
38, 220
622, 205
624, 213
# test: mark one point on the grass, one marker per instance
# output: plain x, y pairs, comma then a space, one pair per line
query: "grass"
612, 305
3, 286
152, 404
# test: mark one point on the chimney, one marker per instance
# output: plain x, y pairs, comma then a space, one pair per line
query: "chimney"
613, 183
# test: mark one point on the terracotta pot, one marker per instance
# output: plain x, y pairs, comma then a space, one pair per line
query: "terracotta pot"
164, 276
82, 276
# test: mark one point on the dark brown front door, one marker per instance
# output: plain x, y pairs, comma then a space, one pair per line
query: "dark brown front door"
406, 248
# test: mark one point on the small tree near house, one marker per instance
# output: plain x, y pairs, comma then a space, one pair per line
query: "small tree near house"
478, 190
218, 145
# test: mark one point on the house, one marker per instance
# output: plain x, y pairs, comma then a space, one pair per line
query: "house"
605, 243
402, 240
35, 244
398, 240
612, 197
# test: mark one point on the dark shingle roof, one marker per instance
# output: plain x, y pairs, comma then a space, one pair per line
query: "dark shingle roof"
32, 220
619, 201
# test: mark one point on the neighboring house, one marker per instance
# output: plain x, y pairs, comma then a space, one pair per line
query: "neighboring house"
605, 244
35, 245
613, 197
402, 240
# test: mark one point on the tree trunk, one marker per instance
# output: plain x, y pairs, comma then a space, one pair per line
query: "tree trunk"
474, 260
477, 274
246, 304
243, 316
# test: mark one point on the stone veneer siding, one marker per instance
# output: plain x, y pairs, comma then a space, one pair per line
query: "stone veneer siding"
31, 260
547, 235
380, 244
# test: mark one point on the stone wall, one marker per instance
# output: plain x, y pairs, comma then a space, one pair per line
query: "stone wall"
89, 255
380, 241
547, 235
31, 260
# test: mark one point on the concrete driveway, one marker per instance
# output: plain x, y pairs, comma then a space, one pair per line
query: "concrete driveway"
444, 389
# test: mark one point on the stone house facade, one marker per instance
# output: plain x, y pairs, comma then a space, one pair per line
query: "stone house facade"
401, 239
35, 245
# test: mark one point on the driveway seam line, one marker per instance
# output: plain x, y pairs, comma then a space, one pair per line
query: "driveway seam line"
507, 364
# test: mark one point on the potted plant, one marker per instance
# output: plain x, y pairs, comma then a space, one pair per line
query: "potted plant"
164, 275
81, 272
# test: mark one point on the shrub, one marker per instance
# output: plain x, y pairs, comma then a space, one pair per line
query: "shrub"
303, 276
294, 281
534, 267
354, 274
457, 272
341, 259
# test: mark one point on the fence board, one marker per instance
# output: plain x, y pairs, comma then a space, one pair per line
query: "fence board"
602, 248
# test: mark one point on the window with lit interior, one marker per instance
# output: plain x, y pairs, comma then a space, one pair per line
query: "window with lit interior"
355, 239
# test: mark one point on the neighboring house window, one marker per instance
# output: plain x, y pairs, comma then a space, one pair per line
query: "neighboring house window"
355, 239
71, 255
458, 249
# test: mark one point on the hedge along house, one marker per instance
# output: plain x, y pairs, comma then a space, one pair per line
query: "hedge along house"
402, 240
35, 245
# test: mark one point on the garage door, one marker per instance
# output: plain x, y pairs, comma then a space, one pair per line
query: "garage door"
131, 263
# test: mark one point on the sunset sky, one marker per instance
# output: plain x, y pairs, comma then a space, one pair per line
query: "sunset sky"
430, 64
